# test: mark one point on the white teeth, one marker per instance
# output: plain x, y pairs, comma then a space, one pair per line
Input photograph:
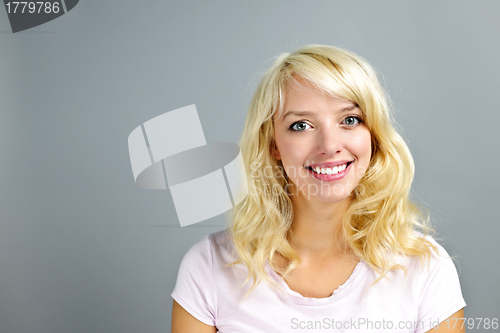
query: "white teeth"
330, 171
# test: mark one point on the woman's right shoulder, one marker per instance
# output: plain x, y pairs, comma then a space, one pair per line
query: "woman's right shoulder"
195, 288
204, 274
215, 247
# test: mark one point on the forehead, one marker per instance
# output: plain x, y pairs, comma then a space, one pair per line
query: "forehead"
300, 95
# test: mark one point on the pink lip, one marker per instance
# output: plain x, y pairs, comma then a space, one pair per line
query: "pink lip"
330, 178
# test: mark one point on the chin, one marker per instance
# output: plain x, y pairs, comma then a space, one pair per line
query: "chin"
331, 198
328, 194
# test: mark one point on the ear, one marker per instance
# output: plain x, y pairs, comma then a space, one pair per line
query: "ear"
274, 151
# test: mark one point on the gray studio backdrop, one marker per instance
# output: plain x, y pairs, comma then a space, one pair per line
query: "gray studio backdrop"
83, 249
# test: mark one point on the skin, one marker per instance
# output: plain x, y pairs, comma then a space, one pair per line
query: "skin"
456, 319
184, 322
332, 130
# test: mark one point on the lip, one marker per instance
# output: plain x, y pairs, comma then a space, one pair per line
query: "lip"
330, 178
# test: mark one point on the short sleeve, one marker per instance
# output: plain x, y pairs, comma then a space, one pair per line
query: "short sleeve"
194, 287
441, 295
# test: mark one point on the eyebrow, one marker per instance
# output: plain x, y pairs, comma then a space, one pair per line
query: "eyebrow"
310, 113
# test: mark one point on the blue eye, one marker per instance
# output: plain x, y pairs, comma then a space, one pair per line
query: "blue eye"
299, 126
352, 120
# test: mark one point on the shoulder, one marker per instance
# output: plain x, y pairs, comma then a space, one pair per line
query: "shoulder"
195, 287
437, 284
438, 265
438, 255
212, 249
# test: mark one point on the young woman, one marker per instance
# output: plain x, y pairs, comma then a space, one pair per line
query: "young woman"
327, 238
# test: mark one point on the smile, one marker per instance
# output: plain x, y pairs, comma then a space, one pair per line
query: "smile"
328, 174
330, 171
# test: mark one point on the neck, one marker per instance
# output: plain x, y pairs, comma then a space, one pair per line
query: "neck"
317, 226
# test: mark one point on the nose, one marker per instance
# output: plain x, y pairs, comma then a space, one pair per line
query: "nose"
329, 141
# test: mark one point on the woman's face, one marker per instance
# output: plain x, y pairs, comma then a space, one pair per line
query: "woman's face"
322, 142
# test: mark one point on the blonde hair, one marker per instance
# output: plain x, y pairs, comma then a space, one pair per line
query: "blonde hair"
380, 220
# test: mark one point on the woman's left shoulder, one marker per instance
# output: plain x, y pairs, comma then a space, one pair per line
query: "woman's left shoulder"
437, 284
438, 254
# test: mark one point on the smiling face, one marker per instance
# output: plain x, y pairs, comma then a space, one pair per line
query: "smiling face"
322, 142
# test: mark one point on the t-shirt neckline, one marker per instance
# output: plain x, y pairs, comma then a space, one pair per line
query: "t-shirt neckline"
342, 291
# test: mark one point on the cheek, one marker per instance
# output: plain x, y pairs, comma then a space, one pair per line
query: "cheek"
293, 156
289, 149
361, 144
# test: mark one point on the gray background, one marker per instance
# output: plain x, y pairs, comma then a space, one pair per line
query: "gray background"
83, 249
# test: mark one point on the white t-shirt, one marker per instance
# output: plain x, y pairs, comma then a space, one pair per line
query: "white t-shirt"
208, 290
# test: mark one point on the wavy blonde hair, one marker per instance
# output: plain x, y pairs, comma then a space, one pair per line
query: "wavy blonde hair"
380, 222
